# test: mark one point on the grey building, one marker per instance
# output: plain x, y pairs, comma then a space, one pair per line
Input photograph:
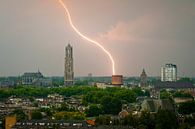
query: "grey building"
153, 105
68, 66
29, 78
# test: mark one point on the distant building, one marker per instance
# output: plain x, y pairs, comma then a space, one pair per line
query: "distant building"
169, 73
29, 78
174, 85
153, 105
143, 79
68, 71
90, 75
42, 82
7, 83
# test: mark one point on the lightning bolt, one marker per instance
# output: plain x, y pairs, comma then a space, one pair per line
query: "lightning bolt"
85, 37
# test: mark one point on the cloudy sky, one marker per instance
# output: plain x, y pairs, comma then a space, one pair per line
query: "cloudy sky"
138, 33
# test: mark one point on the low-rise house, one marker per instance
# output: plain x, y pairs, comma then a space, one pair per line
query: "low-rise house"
42, 124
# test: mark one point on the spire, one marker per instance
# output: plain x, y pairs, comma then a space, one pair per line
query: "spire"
143, 71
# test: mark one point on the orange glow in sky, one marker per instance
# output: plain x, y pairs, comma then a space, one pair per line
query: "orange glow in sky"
85, 37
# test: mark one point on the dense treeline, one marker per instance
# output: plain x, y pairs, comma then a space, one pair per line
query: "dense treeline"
32, 91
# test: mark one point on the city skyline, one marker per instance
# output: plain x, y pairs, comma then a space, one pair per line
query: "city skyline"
138, 34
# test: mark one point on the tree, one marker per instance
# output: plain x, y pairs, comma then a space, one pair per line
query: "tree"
64, 107
130, 120
165, 95
187, 107
181, 94
47, 111
185, 79
111, 105
93, 110
126, 95
20, 115
69, 116
166, 119
184, 126
103, 120
37, 115
147, 120
190, 120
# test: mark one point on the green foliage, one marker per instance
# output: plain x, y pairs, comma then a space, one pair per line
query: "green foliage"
127, 95
139, 92
32, 91
185, 79
4, 93
147, 120
81, 83
64, 107
37, 115
69, 116
94, 96
166, 119
111, 105
20, 115
184, 126
181, 94
93, 110
187, 107
130, 120
47, 111
165, 95
103, 120
190, 121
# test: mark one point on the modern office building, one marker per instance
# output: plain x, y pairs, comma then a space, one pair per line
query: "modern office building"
169, 73
68, 66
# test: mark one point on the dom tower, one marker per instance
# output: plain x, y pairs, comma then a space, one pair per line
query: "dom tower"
68, 71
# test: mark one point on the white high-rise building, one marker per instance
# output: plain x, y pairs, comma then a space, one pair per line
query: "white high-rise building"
169, 73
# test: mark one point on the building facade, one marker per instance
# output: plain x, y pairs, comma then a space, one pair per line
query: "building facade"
68, 66
143, 79
169, 73
29, 78
35, 79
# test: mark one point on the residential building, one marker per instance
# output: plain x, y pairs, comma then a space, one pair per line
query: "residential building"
169, 73
68, 65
